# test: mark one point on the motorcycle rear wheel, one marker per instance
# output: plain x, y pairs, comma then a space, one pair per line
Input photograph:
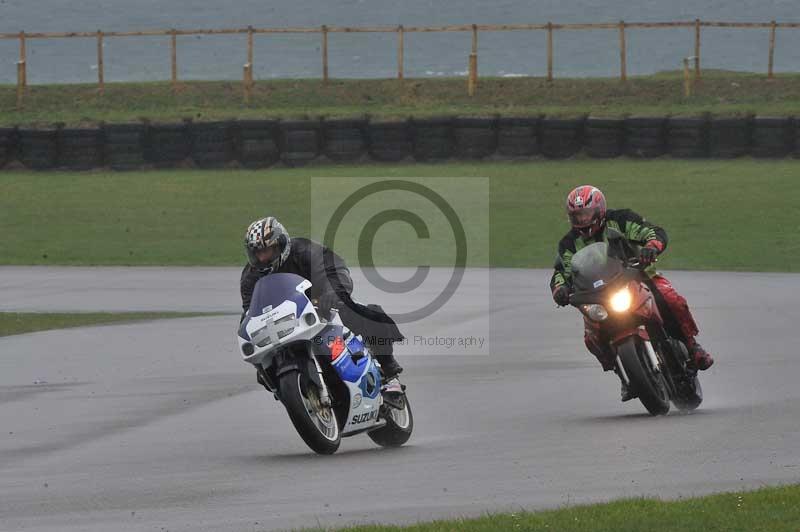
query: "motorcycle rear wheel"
316, 424
646, 382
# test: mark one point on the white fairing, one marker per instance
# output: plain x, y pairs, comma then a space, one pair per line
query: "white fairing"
286, 324
269, 330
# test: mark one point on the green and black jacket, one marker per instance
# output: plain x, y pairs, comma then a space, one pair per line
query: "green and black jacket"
638, 230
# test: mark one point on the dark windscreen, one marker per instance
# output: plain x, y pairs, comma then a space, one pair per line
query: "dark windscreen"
274, 289
593, 269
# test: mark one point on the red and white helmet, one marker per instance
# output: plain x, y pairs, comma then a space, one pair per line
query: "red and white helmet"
586, 209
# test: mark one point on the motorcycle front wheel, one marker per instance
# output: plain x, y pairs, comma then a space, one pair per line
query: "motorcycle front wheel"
316, 423
646, 381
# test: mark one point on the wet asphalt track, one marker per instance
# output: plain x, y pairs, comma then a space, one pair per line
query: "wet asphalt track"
160, 426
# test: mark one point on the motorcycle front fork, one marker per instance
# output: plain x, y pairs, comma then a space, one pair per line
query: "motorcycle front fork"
651, 355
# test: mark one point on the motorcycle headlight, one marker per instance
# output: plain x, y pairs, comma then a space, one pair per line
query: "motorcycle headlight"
595, 312
621, 301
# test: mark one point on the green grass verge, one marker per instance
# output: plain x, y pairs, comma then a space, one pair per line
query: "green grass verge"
765, 510
25, 322
720, 215
721, 93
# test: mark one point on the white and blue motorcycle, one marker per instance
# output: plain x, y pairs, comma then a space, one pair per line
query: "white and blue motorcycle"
322, 372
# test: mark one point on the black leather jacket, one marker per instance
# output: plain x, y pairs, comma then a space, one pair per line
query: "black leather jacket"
308, 259
327, 271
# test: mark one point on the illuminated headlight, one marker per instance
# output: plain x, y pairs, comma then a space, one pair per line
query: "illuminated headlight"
621, 301
595, 312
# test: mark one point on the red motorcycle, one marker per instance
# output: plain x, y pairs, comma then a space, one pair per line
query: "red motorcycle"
611, 289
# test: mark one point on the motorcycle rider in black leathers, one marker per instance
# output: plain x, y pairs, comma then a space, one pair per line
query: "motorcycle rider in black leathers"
270, 250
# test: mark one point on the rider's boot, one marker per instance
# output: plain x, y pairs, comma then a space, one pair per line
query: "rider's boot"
390, 369
625, 393
702, 358
389, 366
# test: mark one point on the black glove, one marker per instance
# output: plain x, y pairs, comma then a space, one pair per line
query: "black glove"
647, 255
561, 296
327, 301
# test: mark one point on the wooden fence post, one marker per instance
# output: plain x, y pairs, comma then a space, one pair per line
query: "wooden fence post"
250, 46
174, 49
697, 49
400, 50
247, 83
623, 59
549, 51
472, 82
770, 73
101, 82
20, 85
324, 53
23, 59
687, 84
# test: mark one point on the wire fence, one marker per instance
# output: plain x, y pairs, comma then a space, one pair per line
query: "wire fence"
324, 31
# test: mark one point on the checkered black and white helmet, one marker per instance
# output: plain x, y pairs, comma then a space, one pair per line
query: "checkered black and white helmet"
263, 234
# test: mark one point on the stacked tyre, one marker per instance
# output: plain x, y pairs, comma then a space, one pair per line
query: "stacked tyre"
687, 137
212, 145
517, 137
645, 137
772, 137
344, 140
38, 148
168, 145
300, 142
561, 138
8, 145
729, 137
475, 138
433, 139
124, 145
796, 138
256, 143
390, 141
80, 149
604, 137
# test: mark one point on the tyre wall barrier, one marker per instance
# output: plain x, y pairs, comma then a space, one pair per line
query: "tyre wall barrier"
389, 141
645, 137
772, 137
730, 137
38, 148
8, 145
256, 143
212, 144
475, 138
687, 137
344, 140
263, 143
604, 137
560, 139
80, 149
433, 139
517, 137
124, 145
168, 145
300, 141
